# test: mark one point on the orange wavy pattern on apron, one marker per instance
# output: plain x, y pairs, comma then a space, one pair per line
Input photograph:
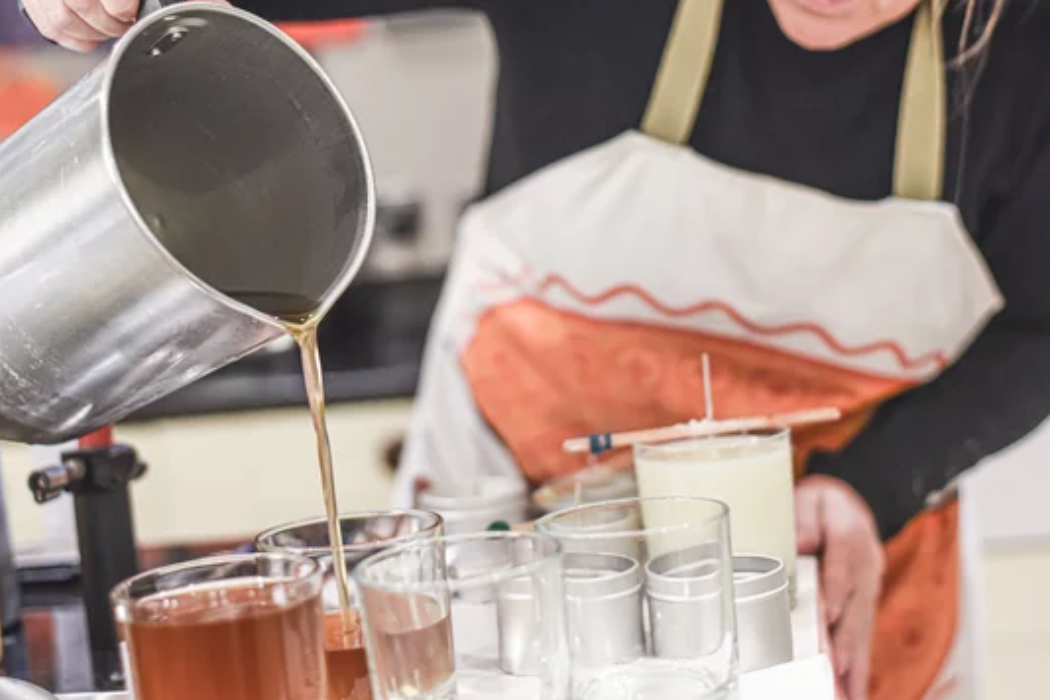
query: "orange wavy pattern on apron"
540, 375
578, 375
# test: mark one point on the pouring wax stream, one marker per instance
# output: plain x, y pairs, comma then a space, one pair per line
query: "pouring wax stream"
301, 320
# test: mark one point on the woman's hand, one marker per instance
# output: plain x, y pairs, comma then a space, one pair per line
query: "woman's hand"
80, 25
834, 522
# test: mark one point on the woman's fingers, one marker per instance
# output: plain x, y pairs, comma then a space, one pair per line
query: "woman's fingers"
808, 533
837, 577
66, 28
851, 642
123, 10
79, 25
94, 14
76, 45
853, 565
858, 678
55, 21
851, 572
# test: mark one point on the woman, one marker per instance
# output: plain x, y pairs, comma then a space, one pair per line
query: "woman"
832, 197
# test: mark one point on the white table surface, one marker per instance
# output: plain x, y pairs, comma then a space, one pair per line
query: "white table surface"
809, 677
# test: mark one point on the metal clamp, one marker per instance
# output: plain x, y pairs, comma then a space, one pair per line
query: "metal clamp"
87, 471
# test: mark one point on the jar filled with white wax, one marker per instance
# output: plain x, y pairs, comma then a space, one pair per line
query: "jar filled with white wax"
752, 473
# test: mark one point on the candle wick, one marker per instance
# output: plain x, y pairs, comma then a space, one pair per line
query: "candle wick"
709, 400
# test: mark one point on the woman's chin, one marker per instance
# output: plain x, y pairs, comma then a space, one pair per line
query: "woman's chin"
821, 40
827, 25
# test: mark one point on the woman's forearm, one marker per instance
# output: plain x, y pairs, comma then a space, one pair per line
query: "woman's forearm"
920, 442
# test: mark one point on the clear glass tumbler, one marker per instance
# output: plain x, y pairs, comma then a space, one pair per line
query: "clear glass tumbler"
238, 627
471, 616
363, 534
648, 587
752, 473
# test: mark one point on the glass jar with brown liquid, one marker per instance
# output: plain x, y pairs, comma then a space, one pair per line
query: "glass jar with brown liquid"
362, 534
239, 627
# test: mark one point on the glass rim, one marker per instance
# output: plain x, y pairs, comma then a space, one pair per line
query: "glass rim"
448, 495
121, 593
435, 518
361, 578
596, 476
543, 525
760, 437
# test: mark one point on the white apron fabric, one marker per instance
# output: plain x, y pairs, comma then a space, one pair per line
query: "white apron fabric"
642, 230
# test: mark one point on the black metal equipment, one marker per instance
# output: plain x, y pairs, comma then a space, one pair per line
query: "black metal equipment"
98, 478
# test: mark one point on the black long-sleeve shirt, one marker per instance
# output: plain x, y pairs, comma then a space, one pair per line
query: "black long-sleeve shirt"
575, 73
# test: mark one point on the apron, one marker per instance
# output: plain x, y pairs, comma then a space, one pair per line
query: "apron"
581, 299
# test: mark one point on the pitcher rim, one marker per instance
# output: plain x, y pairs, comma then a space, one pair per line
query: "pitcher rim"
367, 231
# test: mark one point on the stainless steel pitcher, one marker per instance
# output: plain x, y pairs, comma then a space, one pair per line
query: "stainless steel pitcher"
208, 164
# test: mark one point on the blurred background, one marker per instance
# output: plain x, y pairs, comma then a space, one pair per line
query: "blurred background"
420, 88
233, 453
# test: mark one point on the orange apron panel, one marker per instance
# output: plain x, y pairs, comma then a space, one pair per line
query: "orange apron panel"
918, 614
540, 375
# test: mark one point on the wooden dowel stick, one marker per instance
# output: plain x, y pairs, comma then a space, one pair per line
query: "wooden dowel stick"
704, 428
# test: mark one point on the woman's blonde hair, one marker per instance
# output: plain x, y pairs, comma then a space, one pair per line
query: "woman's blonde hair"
986, 12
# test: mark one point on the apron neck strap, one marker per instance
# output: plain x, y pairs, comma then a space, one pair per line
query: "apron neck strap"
682, 78
918, 171
919, 159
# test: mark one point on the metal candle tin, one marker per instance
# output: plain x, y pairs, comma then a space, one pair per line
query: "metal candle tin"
763, 612
518, 619
684, 589
599, 533
686, 617
590, 485
472, 506
603, 595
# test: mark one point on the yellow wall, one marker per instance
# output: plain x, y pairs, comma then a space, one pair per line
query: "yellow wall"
1017, 586
232, 475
